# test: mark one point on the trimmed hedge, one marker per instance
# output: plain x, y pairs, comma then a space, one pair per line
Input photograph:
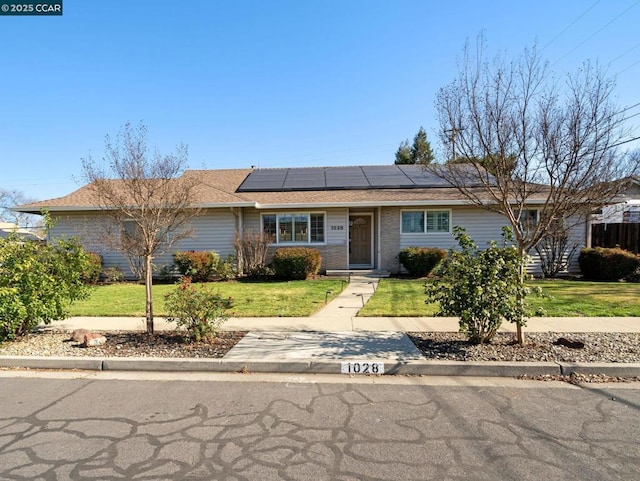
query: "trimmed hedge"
420, 261
296, 263
200, 266
607, 264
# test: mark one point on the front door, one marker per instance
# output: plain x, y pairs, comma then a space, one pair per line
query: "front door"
360, 240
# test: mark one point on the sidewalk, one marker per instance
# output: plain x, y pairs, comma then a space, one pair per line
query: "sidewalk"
334, 337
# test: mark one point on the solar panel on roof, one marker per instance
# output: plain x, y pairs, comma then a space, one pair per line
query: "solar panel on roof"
349, 177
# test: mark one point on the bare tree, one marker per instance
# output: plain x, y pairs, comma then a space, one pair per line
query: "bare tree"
147, 198
12, 198
556, 249
251, 250
530, 141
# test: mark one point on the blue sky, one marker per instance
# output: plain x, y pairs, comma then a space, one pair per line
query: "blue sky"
268, 83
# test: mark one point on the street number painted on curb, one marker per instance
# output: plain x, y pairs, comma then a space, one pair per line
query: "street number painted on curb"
358, 367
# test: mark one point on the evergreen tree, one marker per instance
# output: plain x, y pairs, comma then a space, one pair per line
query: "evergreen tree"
418, 153
421, 152
404, 153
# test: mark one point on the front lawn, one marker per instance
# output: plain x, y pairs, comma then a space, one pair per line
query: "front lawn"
405, 298
251, 299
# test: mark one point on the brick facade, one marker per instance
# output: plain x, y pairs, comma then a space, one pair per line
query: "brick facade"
333, 256
389, 238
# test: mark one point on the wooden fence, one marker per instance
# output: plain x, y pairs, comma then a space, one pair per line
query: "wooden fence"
625, 236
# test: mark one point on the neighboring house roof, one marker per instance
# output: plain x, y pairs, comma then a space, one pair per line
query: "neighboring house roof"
357, 185
8, 228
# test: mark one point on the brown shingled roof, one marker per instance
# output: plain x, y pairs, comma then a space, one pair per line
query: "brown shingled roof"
219, 187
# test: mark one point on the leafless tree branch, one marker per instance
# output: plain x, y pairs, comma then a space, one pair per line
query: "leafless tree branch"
147, 197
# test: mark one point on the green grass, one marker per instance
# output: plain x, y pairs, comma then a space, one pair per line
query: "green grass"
251, 299
398, 298
402, 297
588, 299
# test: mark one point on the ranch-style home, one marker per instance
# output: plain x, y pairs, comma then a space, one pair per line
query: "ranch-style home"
358, 217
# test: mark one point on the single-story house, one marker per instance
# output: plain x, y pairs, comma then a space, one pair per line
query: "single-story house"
9, 228
358, 217
625, 208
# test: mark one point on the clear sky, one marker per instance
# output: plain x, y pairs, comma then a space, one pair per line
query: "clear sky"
269, 83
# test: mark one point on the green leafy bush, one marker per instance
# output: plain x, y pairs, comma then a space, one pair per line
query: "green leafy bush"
113, 274
38, 282
202, 266
93, 269
227, 268
293, 263
607, 264
481, 287
420, 261
197, 309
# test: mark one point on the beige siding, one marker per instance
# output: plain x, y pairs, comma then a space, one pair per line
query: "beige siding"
89, 229
578, 237
214, 230
483, 226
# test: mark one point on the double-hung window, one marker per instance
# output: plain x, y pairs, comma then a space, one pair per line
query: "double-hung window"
426, 221
295, 227
528, 219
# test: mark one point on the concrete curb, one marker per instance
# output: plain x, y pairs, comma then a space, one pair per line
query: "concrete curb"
36, 362
615, 369
415, 368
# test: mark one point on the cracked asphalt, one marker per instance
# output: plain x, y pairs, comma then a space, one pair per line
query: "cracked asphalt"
257, 427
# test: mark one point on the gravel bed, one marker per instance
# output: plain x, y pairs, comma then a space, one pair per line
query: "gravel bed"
122, 344
599, 347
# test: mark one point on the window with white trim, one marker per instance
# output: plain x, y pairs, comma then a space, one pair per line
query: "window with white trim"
131, 231
295, 227
426, 221
528, 219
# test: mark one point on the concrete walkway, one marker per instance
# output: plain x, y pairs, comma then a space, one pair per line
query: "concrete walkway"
325, 341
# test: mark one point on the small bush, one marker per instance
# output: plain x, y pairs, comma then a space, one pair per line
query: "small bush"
113, 274
200, 266
92, 269
296, 262
227, 269
420, 261
607, 264
197, 309
482, 287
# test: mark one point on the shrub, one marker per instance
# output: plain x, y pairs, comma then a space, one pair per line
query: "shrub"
481, 287
227, 269
296, 262
197, 309
607, 264
420, 261
38, 282
199, 266
556, 249
113, 274
92, 269
251, 252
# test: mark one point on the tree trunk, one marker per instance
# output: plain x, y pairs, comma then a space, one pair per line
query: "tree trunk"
521, 277
148, 281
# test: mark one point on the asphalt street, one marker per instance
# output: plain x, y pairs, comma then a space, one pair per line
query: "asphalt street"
63, 426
